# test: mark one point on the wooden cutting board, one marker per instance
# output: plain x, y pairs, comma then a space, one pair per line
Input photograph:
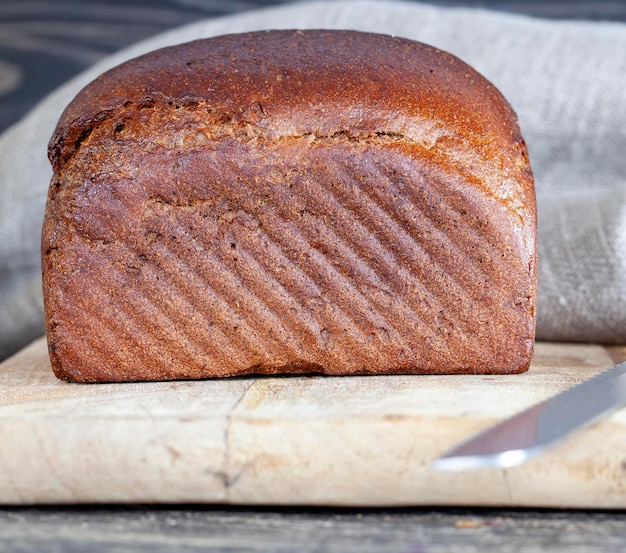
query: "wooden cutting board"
360, 441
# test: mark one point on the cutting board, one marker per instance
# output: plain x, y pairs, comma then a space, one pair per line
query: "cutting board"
334, 441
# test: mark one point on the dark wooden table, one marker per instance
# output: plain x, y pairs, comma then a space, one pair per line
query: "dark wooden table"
42, 44
192, 528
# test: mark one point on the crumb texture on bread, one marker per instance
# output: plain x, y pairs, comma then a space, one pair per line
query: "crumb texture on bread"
289, 201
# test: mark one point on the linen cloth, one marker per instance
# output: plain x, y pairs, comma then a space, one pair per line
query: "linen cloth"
566, 80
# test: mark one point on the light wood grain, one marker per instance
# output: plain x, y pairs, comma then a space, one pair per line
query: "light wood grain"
351, 441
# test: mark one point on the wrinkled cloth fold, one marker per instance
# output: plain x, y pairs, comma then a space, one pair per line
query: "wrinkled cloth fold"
565, 79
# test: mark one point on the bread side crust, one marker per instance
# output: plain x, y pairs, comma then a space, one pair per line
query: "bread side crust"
386, 177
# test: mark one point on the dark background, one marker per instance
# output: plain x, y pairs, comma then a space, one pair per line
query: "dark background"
45, 42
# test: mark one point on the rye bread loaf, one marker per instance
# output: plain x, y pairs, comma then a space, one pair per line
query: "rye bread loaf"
289, 201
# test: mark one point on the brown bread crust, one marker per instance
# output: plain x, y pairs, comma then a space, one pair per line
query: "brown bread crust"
289, 201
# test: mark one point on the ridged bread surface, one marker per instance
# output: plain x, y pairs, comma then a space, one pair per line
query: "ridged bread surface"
289, 201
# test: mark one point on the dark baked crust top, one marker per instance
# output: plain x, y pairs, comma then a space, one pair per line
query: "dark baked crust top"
291, 83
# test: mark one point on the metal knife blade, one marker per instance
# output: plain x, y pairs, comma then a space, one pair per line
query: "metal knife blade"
529, 433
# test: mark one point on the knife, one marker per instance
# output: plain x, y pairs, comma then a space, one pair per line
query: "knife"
529, 433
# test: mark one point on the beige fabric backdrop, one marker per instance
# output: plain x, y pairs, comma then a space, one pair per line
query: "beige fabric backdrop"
566, 80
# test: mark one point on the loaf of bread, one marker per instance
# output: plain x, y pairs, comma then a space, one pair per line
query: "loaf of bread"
289, 202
